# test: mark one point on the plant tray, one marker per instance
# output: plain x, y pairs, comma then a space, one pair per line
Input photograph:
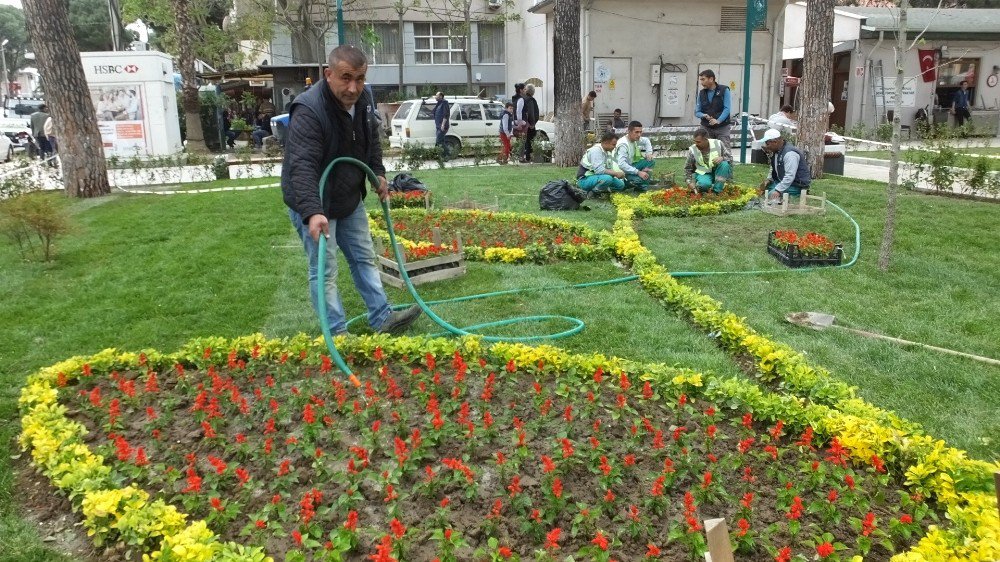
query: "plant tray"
792, 257
437, 268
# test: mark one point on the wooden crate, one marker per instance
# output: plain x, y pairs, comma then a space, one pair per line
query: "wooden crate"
806, 205
447, 266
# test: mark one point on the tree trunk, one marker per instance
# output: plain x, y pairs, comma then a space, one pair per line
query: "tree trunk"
888, 230
814, 115
467, 53
186, 39
85, 172
399, 52
566, 61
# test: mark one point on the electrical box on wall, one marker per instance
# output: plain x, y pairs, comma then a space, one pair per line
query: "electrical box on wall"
654, 74
673, 94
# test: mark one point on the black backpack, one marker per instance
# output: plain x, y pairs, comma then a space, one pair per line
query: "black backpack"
559, 195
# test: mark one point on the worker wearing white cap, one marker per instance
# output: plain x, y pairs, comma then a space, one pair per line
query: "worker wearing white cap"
789, 167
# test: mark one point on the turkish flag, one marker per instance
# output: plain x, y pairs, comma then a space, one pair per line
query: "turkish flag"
927, 60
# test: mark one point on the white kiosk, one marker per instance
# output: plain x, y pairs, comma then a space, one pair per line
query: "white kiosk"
134, 101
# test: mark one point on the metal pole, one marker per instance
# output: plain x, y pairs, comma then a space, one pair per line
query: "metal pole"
340, 22
744, 122
6, 83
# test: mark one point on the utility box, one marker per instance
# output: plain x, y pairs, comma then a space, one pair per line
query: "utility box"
134, 101
673, 94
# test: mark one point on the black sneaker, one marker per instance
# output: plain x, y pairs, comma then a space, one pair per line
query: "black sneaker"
400, 320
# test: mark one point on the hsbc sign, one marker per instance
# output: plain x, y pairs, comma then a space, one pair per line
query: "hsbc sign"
115, 69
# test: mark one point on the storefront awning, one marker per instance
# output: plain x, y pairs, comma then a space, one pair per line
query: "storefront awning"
792, 53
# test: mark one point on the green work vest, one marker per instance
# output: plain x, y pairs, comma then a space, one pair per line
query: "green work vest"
714, 151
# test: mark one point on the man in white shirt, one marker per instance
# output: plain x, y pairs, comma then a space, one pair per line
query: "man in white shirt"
634, 156
783, 120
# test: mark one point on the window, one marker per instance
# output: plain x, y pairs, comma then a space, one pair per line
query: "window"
491, 43
471, 112
437, 43
950, 75
734, 18
380, 41
493, 111
426, 112
404, 111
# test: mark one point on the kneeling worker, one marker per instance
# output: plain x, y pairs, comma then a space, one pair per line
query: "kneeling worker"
789, 168
634, 156
598, 171
709, 164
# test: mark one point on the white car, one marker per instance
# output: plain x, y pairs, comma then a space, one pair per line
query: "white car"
473, 120
6, 148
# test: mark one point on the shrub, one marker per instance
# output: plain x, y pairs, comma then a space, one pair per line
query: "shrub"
414, 156
33, 222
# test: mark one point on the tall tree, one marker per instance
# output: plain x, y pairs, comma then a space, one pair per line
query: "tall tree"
91, 23
401, 7
566, 61
85, 172
12, 29
211, 43
814, 115
186, 37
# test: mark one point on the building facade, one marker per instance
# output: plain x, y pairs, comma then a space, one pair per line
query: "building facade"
644, 56
432, 40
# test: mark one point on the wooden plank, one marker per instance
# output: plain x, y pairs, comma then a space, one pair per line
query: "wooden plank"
421, 264
436, 236
719, 547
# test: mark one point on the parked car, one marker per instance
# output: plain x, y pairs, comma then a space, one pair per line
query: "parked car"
6, 149
473, 120
17, 106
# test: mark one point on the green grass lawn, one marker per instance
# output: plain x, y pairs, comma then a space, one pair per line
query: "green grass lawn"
154, 271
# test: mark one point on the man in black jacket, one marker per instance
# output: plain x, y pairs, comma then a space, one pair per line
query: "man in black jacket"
713, 107
329, 121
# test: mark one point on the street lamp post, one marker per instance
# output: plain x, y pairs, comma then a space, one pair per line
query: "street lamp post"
3, 60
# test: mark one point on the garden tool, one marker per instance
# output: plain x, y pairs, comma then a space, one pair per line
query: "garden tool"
822, 321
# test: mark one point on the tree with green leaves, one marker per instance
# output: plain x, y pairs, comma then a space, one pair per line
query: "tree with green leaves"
210, 42
12, 28
85, 171
91, 23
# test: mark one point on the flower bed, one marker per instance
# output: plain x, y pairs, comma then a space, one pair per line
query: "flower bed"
808, 250
497, 237
410, 199
932, 468
452, 451
681, 202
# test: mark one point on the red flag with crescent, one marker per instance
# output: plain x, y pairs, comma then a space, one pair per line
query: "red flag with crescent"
927, 60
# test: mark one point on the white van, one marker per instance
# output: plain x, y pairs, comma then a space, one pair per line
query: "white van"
472, 121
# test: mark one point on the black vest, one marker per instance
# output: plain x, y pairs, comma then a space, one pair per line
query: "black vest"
345, 187
802, 176
715, 107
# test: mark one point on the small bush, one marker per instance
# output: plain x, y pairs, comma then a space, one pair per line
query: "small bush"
32, 222
414, 156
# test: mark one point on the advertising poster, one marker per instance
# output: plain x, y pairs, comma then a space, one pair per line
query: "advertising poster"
120, 118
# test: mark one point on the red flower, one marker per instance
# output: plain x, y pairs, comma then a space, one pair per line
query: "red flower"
825, 549
747, 500
784, 555
600, 540
906, 519
557, 488
795, 511
744, 526
297, 536
552, 539
397, 528
832, 496
652, 550
505, 552
261, 524
877, 463
352, 521
706, 479
609, 496
547, 465
747, 420
383, 551
868, 525
216, 503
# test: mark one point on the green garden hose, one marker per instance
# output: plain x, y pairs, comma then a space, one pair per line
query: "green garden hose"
576, 324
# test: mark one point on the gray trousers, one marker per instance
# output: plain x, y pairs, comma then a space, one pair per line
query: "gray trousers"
721, 133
